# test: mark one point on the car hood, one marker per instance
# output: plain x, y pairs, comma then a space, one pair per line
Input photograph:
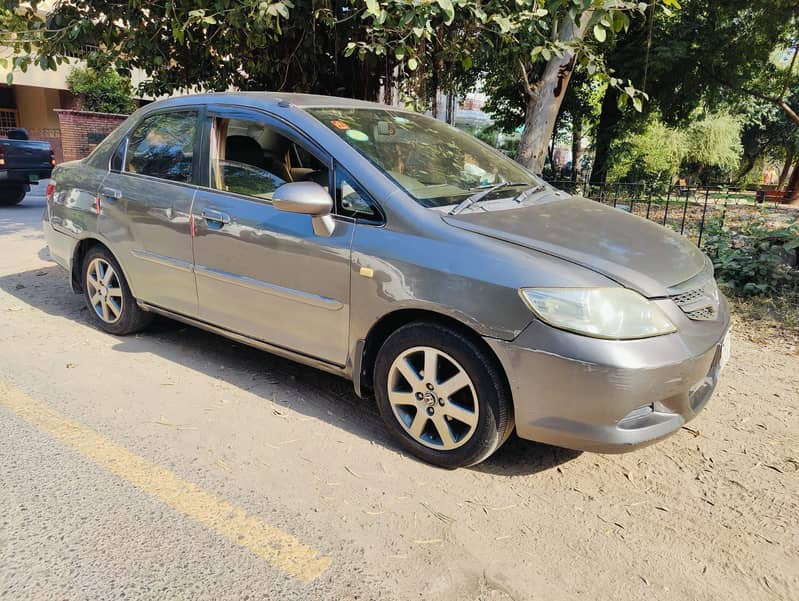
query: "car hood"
632, 251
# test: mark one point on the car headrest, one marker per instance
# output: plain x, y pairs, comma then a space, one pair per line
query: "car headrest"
243, 149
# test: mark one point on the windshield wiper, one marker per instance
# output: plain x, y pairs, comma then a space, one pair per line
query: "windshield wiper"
529, 192
477, 197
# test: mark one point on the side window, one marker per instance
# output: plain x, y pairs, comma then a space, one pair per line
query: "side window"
163, 146
352, 200
249, 157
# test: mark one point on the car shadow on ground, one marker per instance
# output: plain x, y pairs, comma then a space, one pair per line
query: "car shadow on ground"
306, 390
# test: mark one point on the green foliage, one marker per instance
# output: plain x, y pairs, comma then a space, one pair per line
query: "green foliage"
659, 152
715, 141
753, 258
655, 154
102, 91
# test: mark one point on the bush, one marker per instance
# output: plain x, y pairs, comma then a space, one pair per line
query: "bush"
104, 92
756, 258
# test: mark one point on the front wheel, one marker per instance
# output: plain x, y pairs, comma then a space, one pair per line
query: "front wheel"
11, 194
108, 295
441, 395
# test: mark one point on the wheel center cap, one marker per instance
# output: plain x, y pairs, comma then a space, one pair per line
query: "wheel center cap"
429, 398
103, 291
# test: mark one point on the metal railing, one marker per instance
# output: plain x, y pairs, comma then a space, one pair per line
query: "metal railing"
685, 209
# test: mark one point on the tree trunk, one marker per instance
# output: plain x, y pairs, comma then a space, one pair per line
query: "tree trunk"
789, 151
609, 118
792, 191
545, 98
577, 144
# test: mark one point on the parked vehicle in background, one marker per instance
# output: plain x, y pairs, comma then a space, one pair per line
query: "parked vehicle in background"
389, 248
22, 162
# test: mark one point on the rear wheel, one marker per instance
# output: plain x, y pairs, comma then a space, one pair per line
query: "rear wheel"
441, 395
108, 296
11, 194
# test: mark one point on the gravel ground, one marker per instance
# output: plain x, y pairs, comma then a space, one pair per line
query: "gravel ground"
710, 513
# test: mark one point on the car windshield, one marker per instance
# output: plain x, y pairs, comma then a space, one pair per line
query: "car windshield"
436, 164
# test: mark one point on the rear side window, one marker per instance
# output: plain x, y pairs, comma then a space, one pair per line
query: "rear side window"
162, 146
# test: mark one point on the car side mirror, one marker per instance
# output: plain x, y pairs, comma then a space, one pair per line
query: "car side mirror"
308, 198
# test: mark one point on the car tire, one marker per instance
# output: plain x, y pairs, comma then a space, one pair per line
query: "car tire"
107, 295
456, 417
11, 195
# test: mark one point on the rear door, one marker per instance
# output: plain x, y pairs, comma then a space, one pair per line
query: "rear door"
145, 207
262, 272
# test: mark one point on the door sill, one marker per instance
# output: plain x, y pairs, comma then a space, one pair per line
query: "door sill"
280, 351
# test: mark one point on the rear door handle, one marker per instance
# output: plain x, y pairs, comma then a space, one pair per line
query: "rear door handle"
111, 193
217, 216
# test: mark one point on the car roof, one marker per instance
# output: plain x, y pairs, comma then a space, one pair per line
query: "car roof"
271, 99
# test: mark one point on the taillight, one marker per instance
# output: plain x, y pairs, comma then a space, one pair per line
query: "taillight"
52, 158
48, 193
2, 157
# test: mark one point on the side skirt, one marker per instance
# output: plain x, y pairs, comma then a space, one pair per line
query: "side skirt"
254, 342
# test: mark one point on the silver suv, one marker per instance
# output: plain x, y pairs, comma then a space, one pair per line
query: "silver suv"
377, 244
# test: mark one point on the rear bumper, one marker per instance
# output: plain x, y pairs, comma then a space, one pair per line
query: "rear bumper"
24, 176
61, 246
611, 396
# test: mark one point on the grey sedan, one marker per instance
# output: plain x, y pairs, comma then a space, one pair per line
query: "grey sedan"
464, 293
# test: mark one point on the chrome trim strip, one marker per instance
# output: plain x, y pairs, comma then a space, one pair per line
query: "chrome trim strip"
146, 255
332, 368
307, 298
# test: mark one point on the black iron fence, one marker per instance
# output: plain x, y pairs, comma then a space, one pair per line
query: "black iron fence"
685, 209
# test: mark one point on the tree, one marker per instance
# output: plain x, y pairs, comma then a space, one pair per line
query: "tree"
103, 91
344, 47
714, 142
708, 53
537, 44
205, 44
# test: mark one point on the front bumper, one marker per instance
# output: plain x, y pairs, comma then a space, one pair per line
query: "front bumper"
611, 396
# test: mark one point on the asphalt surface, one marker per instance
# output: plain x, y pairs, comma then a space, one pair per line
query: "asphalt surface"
175, 464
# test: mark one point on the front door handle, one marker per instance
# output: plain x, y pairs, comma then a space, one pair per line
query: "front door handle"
217, 216
112, 193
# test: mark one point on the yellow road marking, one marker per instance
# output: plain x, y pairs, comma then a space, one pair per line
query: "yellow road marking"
268, 542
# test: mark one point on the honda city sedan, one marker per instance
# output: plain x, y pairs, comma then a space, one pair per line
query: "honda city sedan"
465, 294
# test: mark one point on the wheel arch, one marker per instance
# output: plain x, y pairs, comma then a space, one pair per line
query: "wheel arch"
83, 246
367, 348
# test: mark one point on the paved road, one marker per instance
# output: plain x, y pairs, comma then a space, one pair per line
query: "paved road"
175, 464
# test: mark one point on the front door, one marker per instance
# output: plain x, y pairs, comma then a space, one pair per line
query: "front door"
145, 207
262, 272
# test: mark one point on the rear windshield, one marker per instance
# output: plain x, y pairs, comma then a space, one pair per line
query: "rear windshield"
436, 164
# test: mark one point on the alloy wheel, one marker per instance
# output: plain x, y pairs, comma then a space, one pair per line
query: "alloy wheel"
105, 291
433, 398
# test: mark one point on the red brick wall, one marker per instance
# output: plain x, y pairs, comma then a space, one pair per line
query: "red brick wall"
76, 127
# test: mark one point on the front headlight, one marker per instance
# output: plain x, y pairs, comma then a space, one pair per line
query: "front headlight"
613, 313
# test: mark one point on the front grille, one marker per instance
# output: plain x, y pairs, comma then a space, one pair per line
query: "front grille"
702, 314
686, 298
698, 297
